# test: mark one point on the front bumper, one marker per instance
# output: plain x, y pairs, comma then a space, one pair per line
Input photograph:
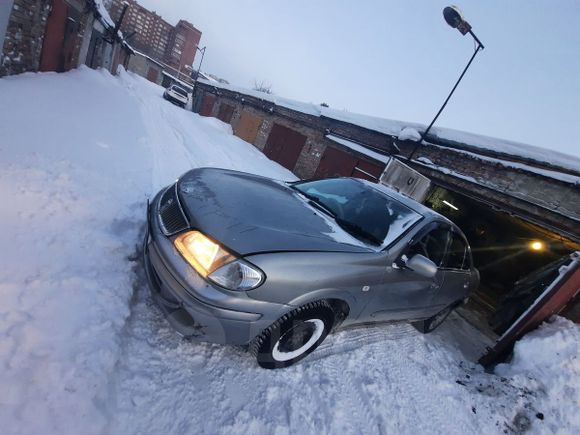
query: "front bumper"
179, 291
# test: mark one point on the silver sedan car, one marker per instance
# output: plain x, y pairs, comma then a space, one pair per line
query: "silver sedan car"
240, 259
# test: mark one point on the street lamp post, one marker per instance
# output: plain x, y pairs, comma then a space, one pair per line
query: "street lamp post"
454, 18
202, 51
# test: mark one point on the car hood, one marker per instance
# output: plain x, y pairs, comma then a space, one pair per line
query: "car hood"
250, 214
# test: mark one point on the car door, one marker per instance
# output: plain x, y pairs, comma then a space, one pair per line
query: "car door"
405, 294
456, 270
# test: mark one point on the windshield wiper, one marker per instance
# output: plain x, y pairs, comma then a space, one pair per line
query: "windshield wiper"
322, 207
315, 202
356, 230
348, 226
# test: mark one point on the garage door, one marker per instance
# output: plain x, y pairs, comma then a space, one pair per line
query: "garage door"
367, 170
284, 145
339, 163
152, 75
61, 38
225, 113
207, 104
335, 163
248, 126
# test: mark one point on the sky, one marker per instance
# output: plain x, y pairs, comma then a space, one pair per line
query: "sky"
399, 59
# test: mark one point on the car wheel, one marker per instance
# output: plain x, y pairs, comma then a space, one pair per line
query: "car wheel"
293, 336
432, 323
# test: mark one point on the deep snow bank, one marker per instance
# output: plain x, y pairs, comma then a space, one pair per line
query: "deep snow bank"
79, 154
548, 360
73, 180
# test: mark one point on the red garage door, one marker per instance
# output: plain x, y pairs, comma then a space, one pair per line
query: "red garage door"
152, 75
60, 39
339, 163
335, 163
207, 105
225, 113
367, 170
284, 145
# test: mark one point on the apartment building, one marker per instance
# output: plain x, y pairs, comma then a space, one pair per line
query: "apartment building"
149, 33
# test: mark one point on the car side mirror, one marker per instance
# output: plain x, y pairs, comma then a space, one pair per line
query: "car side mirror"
422, 265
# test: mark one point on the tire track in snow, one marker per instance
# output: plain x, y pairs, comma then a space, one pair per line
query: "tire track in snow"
166, 144
362, 415
421, 390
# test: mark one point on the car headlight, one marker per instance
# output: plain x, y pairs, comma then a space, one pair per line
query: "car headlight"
237, 275
213, 262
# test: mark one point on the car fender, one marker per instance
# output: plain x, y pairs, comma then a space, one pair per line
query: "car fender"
326, 294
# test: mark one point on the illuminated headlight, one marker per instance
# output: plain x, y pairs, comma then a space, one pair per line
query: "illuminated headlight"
201, 252
213, 262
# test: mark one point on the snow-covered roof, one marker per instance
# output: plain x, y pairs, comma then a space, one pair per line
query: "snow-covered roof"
404, 131
204, 76
567, 178
358, 148
102, 10
507, 147
307, 108
409, 133
140, 53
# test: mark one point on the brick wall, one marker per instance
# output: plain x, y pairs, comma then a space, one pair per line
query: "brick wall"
24, 36
313, 127
556, 195
310, 158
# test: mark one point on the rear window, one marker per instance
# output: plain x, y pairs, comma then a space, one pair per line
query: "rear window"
180, 91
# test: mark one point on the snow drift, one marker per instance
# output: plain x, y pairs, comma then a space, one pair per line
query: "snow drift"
83, 350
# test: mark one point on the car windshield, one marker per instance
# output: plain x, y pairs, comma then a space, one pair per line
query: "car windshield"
364, 212
180, 91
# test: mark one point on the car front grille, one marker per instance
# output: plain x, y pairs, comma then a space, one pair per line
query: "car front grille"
171, 215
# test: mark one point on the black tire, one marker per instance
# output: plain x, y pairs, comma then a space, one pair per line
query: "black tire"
432, 323
305, 327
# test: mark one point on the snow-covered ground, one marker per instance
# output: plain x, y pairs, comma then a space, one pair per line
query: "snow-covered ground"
83, 349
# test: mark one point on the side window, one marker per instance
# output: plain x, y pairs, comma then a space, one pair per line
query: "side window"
431, 245
457, 258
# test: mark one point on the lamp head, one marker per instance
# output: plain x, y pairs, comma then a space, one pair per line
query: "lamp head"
453, 16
